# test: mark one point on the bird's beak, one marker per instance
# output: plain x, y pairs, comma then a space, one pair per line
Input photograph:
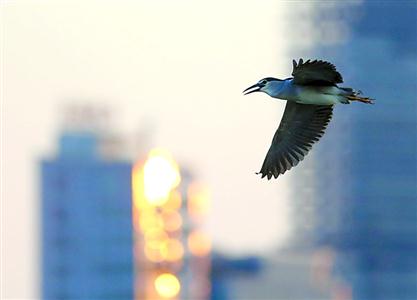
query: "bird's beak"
252, 89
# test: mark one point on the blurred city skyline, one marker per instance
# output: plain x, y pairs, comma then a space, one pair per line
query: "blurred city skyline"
180, 66
170, 74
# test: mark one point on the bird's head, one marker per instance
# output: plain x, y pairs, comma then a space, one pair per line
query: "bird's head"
268, 85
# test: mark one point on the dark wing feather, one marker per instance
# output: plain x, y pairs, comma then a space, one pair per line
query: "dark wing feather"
316, 72
301, 126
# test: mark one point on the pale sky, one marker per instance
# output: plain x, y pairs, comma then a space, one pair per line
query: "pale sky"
182, 65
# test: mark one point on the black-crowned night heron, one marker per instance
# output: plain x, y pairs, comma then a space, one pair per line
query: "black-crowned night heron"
310, 96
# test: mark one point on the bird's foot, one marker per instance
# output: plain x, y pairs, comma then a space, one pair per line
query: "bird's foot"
361, 99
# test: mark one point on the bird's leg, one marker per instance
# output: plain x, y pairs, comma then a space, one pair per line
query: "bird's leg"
360, 99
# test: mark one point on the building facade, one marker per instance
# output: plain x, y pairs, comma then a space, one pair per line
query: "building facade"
86, 223
374, 153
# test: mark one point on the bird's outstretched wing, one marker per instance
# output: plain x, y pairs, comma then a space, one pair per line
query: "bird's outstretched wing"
301, 126
316, 72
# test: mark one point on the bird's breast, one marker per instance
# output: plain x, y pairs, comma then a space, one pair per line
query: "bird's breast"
313, 95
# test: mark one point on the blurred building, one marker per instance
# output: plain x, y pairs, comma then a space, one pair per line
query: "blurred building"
86, 222
112, 229
230, 277
287, 275
86, 212
172, 251
365, 166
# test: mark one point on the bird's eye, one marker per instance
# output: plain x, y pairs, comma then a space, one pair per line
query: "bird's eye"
263, 81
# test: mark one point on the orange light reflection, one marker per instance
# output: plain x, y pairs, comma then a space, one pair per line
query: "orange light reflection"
172, 250
198, 200
167, 285
199, 243
161, 175
172, 220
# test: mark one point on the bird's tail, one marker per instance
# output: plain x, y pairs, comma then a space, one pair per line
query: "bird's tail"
354, 95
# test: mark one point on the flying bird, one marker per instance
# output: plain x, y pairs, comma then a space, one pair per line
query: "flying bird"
311, 95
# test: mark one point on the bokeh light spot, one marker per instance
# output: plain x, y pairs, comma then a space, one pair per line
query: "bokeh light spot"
161, 175
167, 285
199, 243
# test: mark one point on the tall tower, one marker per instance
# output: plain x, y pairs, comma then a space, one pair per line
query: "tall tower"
375, 170
86, 222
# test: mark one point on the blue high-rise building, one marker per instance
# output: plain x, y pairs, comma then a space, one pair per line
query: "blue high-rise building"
369, 157
86, 223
